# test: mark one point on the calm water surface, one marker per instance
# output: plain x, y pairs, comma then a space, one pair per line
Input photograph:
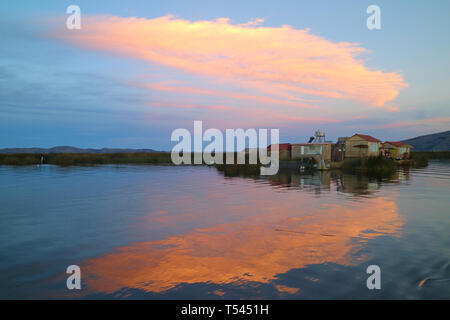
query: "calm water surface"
189, 232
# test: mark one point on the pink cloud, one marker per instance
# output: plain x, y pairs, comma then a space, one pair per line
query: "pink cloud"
190, 106
284, 62
420, 122
253, 115
227, 94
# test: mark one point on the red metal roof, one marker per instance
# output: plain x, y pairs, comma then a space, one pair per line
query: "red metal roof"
367, 137
281, 147
396, 143
310, 144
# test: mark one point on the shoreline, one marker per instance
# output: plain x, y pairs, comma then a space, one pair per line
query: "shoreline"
160, 158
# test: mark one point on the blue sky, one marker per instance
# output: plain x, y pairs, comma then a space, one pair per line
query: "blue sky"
65, 90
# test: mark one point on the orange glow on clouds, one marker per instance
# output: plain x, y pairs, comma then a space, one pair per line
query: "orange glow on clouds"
287, 63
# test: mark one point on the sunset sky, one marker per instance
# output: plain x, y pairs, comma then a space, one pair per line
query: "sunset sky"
137, 70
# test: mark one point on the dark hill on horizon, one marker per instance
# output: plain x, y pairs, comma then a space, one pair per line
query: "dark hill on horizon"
431, 142
68, 149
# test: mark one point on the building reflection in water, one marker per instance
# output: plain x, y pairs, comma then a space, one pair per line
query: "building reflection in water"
320, 181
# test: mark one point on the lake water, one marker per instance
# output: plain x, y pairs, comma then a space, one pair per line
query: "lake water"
163, 232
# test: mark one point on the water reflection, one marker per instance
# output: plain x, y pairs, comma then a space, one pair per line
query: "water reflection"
323, 181
271, 234
191, 232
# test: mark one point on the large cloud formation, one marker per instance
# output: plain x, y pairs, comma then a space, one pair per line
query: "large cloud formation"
289, 64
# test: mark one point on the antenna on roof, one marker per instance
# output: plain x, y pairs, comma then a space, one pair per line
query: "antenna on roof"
319, 137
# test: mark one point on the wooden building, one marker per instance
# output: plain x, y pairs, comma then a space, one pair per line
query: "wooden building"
321, 152
361, 146
396, 150
338, 149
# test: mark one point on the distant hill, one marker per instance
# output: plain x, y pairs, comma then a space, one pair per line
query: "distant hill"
431, 142
68, 149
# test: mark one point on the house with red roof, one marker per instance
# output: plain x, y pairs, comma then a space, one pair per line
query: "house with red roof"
361, 146
396, 149
284, 150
